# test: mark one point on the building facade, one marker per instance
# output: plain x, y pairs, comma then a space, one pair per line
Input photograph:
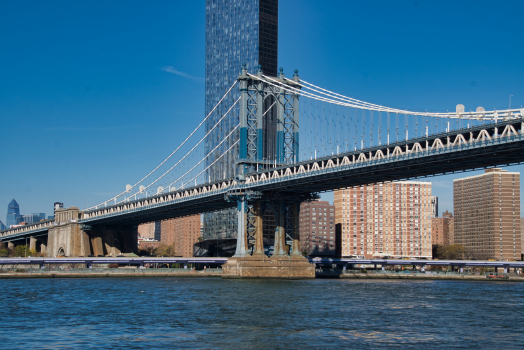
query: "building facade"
237, 32
317, 228
434, 206
13, 214
440, 229
182, 232
385, 219
146, 230
487, 214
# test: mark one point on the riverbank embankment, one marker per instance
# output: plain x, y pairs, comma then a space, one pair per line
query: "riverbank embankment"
109, 272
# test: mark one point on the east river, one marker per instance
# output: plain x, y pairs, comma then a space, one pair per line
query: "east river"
211, 313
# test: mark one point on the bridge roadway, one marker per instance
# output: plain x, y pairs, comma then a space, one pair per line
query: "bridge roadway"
460, 150
89, 261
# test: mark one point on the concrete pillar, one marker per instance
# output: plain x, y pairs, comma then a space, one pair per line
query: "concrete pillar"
344, 268
32, 243
280, 233
43, 249
10, 245
505, 269
185, 265
383, 267
462, 269
296, 231
96, 244
242, 228
259, 239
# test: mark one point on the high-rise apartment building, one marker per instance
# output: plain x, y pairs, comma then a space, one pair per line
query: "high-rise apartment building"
317, 228
385, 219
434, 206
440, 229
487, 214
183, 232
240, 31
13, 214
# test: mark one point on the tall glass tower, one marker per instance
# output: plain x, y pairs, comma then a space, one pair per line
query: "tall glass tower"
237, 31
13, 213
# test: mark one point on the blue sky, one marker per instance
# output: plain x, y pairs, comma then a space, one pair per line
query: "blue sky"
93, 95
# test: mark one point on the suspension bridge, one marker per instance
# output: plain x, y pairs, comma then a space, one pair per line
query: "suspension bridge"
236, 158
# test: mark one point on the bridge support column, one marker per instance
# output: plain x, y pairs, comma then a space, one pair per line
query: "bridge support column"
259, 239
10, 245
280, 232
462, 269
98, 247
242, 227
296, 231
32, 243
505, 269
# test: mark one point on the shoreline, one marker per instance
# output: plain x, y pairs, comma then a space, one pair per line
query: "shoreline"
138, 273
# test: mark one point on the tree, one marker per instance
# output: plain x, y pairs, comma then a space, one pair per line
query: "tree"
200, 238
451, 252
165, 250
21, 250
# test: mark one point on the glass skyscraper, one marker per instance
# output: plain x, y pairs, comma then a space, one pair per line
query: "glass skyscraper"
13, 213
237, 31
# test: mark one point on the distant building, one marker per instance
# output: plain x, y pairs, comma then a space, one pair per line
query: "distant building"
522, 236
440, 229
2, 226
434, 206
32, 218
13, 214
487, 214
183, 232
317, 228
158, 230
146, 230
237, 32
385, 219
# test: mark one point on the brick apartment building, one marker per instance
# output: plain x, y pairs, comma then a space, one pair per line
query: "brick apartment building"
487, 214
440, 229
183, 232
386, 219
317, 228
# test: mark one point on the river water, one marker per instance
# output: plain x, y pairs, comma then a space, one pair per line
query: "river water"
211, 313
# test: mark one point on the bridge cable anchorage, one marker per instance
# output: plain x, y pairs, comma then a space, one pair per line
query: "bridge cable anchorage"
350, 102
165, 160
199, 142
204, 158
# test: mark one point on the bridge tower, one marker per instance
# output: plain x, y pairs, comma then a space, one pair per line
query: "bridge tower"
261, 100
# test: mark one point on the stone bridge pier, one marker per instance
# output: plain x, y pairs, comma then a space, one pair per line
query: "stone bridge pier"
70, 238
287, 260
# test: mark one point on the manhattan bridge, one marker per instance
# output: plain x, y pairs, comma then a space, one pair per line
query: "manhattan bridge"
324, 141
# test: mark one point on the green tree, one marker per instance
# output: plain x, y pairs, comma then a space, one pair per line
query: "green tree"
4, 252
451, 252
22, 250
165, 250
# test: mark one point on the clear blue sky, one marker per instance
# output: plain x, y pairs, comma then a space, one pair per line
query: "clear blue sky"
85, 106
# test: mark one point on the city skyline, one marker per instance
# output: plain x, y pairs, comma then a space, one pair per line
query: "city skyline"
130, 85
